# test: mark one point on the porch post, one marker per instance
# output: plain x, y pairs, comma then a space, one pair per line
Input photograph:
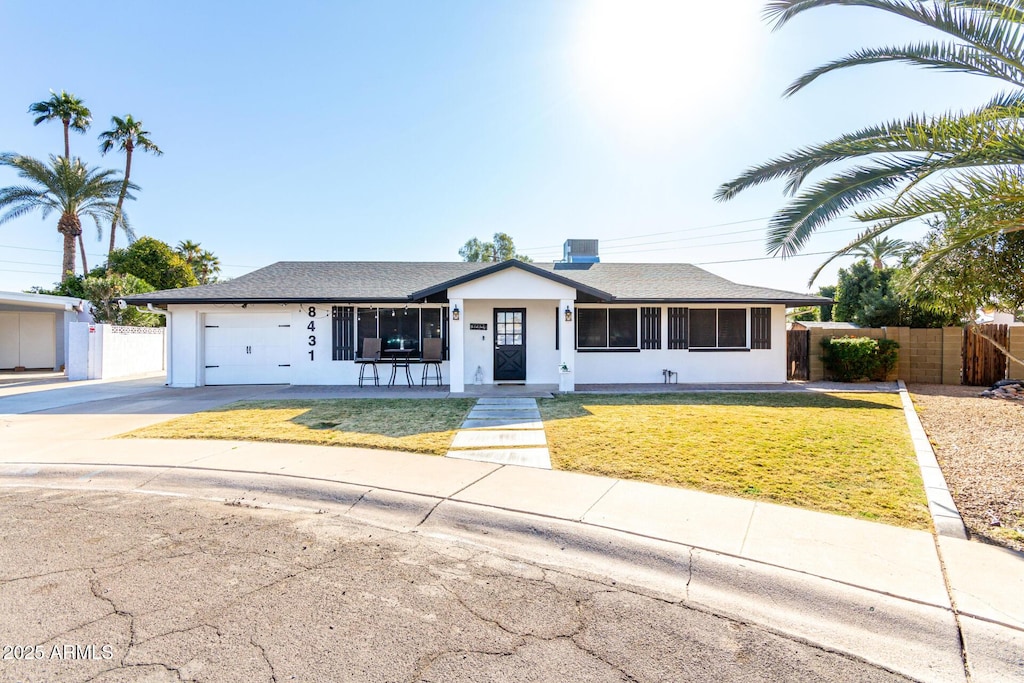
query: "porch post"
567, 346
456, 359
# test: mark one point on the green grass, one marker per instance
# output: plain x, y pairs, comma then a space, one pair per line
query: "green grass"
413, 425
849, 454
843, 453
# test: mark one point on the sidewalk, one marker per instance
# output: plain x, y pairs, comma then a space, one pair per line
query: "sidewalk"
986, 583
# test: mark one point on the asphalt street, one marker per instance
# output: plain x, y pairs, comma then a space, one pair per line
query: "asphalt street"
111, 586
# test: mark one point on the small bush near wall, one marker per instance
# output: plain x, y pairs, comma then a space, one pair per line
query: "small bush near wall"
886, 357
848, 359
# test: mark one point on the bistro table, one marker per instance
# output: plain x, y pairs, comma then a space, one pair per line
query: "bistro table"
399, 358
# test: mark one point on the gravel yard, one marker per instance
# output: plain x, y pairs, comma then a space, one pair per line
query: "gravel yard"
979, 443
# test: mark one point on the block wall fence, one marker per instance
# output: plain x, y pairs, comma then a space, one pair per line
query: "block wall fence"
926, 356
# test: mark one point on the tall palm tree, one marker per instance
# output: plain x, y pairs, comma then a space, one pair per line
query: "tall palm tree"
968, 161
68, 187
73, 113
880, 248
126, 135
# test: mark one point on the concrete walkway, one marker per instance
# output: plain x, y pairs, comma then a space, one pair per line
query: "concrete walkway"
505, 431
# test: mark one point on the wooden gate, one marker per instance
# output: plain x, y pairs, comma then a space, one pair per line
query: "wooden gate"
798, 354
984, 364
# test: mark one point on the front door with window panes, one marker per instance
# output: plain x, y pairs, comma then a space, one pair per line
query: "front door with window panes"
509, 344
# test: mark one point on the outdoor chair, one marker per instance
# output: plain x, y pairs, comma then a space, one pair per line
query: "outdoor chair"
432, 357
370, 356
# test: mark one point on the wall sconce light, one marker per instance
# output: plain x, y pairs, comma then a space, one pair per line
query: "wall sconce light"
455, 312
568, 314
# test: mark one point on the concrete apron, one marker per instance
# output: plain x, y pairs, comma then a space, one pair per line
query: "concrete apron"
504, 431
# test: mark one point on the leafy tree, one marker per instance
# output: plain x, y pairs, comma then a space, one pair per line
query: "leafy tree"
872, 298
878, 249
985, 271
153, 261
501, 248
923, 165
825, 310
73, 113
68, 187
105, 290
203, 262
126, 135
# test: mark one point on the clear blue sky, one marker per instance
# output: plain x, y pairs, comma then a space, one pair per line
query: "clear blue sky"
398, 130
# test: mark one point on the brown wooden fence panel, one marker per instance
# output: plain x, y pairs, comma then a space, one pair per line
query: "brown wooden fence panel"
984, 364
798, 352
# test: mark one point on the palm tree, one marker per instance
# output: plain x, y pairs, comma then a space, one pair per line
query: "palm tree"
205, 265
126, 135
924, 165
73, 113
68, 187
880, 248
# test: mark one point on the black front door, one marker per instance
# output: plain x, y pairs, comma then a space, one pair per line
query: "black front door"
509, 344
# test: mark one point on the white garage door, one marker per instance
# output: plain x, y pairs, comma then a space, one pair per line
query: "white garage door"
27, 340
247, 348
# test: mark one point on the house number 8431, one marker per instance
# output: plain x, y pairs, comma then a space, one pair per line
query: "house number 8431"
312, 328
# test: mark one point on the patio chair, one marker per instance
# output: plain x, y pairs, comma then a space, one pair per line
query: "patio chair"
432, 357
370, 356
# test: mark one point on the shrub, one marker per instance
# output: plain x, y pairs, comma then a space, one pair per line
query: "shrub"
886, 357
848, 359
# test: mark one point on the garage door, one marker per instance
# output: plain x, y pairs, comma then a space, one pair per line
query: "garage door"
27, 340
247, 348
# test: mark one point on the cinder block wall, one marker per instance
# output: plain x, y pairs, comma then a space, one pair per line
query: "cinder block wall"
931, 356
952, 354
1016, 346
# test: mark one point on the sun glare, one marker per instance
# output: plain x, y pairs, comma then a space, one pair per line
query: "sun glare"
658, 66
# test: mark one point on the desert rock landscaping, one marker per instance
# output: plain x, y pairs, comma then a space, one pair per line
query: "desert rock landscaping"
979, 443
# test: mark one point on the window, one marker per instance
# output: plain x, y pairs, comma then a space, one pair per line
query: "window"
722, 328
606, 328
400, 328
591, 327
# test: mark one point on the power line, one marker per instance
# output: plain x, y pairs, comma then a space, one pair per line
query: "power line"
763, 258
658, 234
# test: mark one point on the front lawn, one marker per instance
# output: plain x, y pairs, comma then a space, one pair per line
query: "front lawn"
849, 454
413, 425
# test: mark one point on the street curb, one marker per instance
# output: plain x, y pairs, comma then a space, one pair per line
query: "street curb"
945, 516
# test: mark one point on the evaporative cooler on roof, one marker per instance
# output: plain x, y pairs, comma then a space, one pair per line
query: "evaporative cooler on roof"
580, 251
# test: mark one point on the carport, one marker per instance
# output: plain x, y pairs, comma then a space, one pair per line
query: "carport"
34, 329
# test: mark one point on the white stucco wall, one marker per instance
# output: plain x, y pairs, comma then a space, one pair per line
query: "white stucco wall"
645, 366
187, 326
185, 362
97, 351
542, 358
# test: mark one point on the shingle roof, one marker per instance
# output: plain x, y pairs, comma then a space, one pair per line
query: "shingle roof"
392, 281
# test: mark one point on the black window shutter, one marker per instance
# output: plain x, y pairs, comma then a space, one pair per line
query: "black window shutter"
342, 332
650, 328
761, 328
677, 328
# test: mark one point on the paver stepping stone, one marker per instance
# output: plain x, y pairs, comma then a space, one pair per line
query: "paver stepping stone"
507, 431
493, 438
531, 414
503, 423
530, 402
524, 457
